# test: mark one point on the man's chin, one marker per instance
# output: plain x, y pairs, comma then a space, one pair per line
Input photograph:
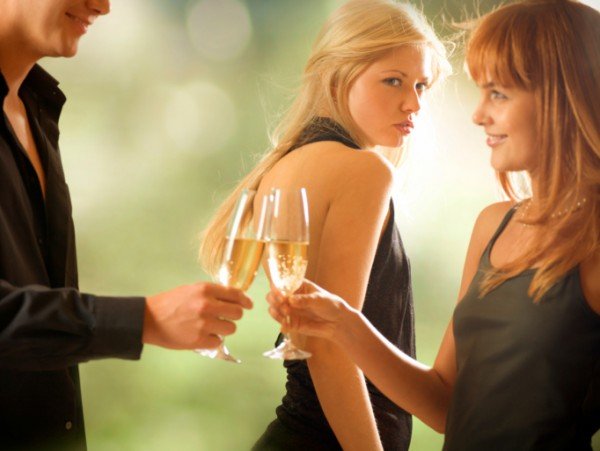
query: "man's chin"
70, 52
65, 51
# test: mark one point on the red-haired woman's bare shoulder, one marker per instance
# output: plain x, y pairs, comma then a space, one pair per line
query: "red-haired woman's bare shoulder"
491, 216
590, 280
486, 224
489, 220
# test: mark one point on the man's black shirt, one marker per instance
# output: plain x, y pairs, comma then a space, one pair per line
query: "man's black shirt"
47, 326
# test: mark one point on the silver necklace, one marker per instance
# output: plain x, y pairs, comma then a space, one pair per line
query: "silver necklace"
527, 204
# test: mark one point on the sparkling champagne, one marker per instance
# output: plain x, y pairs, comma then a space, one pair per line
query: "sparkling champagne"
241, 264
287, 262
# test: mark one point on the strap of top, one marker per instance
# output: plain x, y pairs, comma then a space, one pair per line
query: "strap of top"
324, 129
499, 230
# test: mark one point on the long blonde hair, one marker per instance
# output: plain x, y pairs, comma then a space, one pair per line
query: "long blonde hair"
550, 48
355, 35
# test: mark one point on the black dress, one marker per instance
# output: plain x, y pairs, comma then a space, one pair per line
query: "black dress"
301, 423
528, 374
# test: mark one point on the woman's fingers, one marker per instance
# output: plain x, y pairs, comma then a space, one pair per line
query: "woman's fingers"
308, 287
311, 311
276, 315
318, 305
275, 298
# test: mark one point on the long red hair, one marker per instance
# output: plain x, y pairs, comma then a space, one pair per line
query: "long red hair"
550, 48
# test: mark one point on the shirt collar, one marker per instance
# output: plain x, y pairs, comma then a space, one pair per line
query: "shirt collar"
43, 85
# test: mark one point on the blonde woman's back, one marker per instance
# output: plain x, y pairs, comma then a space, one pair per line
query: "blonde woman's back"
325, 169
356, 252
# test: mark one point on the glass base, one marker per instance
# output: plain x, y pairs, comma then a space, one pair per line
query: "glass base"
221, 353
287, 351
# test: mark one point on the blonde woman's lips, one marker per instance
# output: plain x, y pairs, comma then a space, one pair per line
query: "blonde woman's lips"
405, 127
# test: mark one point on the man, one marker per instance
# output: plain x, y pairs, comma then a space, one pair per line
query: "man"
47, 326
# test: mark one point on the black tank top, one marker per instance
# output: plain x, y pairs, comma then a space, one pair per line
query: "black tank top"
388, 305
528, 373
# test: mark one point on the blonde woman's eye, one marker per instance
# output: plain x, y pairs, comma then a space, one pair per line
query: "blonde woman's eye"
394, 82
421, 87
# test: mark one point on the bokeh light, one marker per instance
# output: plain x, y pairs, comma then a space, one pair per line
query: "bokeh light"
219, 29
200, 117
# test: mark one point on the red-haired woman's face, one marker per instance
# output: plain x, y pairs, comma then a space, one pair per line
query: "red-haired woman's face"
508, 116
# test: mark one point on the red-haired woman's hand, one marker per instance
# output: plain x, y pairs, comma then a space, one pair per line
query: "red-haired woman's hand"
310, 311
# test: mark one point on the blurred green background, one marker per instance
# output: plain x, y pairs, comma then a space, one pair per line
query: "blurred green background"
170, 103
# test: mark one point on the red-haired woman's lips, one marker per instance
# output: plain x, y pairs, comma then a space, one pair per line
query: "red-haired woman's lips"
495, 140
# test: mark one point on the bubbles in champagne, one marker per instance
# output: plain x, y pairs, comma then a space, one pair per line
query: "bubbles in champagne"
241, 263
287, 264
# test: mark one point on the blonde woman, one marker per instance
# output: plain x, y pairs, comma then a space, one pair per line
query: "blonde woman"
362, 86
519, 365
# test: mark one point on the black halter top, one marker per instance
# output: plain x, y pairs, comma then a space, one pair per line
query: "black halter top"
388, 305
528, 374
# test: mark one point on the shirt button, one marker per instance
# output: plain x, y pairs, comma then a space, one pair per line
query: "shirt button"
68, 425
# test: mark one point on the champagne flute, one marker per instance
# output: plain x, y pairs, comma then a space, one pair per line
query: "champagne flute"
241, 256
286, 234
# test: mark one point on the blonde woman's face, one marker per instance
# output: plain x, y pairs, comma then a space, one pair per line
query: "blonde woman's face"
508, 118
386, 97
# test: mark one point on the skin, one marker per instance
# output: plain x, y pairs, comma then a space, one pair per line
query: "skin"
507, 115
343, 244
422, 390
186, 317
388, 93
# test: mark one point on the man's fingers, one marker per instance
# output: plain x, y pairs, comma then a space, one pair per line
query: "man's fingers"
226, 294
218, 309
217, 326
208, 342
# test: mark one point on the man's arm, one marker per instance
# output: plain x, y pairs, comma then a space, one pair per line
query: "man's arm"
42, 328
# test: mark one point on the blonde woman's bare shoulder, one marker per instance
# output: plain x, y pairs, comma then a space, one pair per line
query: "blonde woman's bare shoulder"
363, 162
377, 161
342, 162
368, 170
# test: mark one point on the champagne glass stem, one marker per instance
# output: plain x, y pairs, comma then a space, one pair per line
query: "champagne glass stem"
287, 235
287, 350
221, 353
240, 260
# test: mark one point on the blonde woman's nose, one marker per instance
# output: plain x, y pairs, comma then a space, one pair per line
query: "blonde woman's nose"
412, 102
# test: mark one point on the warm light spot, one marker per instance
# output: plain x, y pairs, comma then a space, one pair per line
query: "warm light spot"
199, 117
219, 29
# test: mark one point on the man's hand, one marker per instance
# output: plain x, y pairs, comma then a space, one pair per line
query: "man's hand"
193, 316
